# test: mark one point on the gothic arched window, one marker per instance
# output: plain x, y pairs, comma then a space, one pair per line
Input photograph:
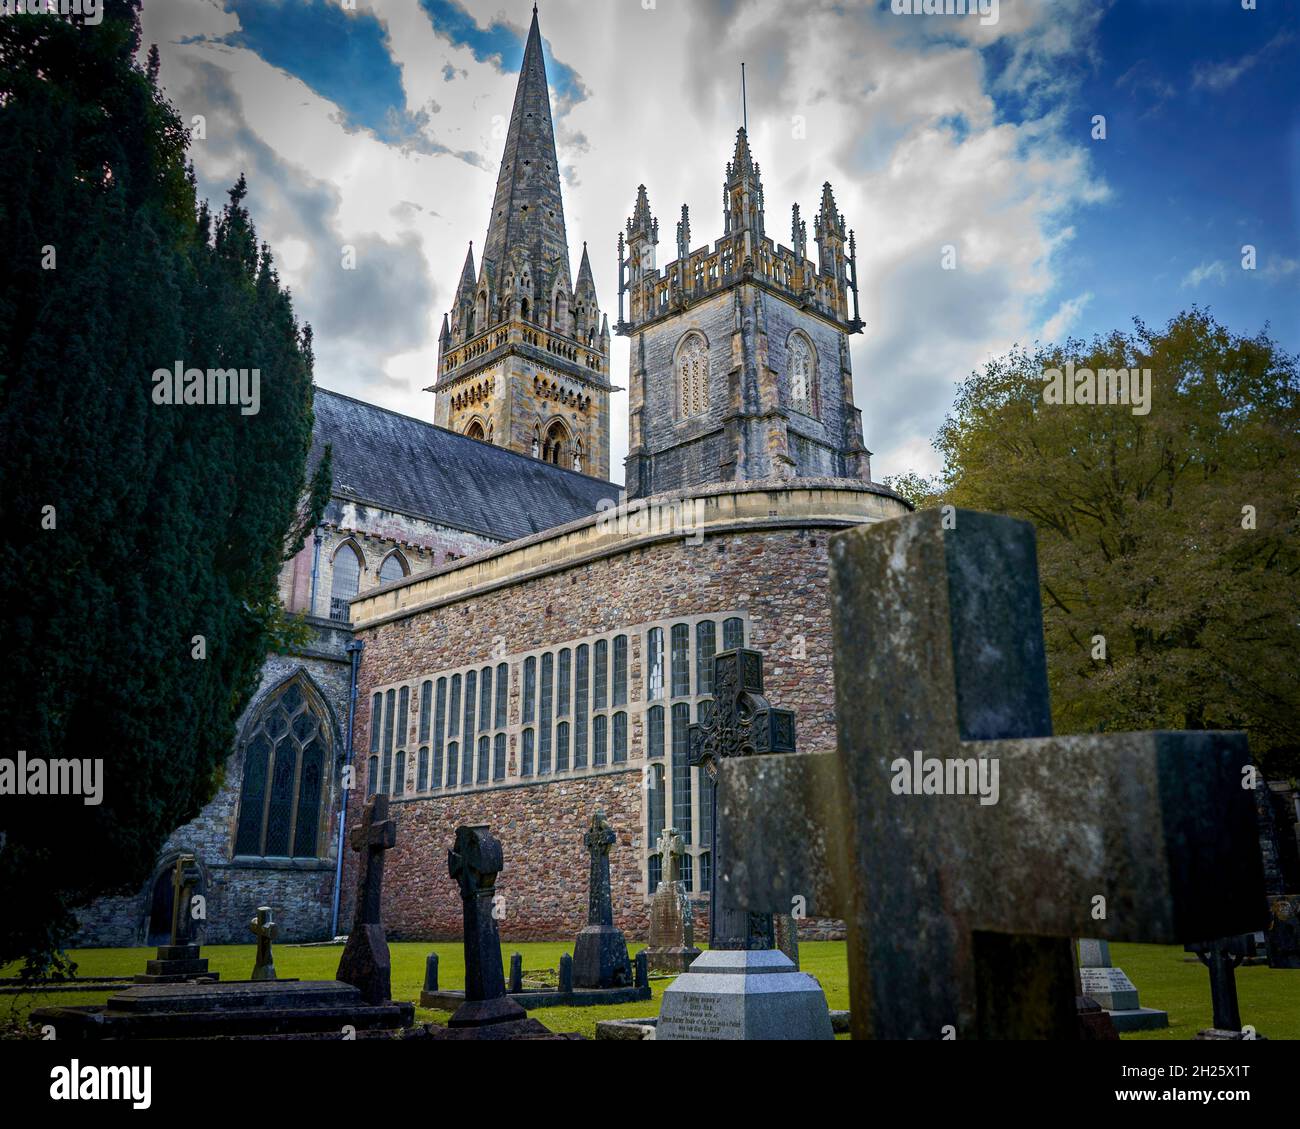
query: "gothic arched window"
693, 376
801, 365
393, 569
475, 431
346, 582
286, 756
557, 439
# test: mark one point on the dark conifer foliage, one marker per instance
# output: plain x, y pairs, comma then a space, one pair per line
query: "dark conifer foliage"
129, 527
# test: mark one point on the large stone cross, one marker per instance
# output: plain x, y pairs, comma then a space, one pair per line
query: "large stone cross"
185, 880
598, 839
365, 961
736, 722
670, 848
374, 835
474, 863
960, 906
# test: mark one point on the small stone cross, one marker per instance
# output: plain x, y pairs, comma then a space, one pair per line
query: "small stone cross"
266, 931
736, 722
185, 880
670, 849
598, 839
374, 835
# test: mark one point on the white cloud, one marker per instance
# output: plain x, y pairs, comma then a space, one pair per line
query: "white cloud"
1067, 314
1203, 272
1219, 76
903, 125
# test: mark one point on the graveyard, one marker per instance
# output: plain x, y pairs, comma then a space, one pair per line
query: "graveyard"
849, 614
1272, 1003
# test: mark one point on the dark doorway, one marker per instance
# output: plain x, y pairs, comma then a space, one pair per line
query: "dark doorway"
160, 910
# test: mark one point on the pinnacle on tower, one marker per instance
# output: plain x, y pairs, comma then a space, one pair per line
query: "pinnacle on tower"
585, 280
468, 278
641, 223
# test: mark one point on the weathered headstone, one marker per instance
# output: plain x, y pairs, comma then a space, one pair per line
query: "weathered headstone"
1115, 992
565, 973
672, 920
266, 931
600, 953
516, 972
743, 987
1281, 873
474, 863
963, 845
431, 972
487, 1013
365, 961
180, 960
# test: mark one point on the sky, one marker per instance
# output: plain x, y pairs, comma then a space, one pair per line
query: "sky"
371, 131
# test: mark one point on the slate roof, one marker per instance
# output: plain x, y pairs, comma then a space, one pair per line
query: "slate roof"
412, 467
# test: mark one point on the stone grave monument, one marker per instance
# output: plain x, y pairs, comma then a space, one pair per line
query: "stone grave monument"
744, 987
1115, 992
265, 1007
672, 919
600, 957
365, 962
1221, 957
180, 961
266, 931
487, 1012
963, 844
1281, 872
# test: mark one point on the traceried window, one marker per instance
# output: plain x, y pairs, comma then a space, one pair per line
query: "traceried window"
346, 582
692, 376
286, 756
600, 741
393, 569
801, 367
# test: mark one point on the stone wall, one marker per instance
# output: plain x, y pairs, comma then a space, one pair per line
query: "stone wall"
546, 591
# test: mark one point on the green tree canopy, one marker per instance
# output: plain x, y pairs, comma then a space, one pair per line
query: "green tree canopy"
129, 527
1167, 541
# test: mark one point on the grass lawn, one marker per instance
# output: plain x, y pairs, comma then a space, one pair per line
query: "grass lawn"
1270, 1000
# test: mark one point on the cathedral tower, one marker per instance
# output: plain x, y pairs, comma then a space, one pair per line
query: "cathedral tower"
523, 357
739, 360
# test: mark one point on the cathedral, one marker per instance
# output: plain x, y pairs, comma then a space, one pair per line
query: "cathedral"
487, 645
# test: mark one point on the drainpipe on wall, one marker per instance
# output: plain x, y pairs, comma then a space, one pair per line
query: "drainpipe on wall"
315, 570
354, 650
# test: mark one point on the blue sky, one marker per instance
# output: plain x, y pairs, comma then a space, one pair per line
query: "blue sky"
380, 127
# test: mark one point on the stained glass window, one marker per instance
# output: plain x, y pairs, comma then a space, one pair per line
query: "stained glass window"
530, 689
285, 756
620, 671
499, 757
562, 747
526, 757
681, 660
733, 634
682, 770
654, 663
346, 582
393, 569
600, 696
705, 648
600, 740
620, 738
581, 665
654, 739
503, 688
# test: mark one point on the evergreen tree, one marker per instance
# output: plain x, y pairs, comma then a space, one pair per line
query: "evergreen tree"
130, 527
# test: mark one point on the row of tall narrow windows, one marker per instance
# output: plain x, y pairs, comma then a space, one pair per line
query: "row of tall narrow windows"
572, 713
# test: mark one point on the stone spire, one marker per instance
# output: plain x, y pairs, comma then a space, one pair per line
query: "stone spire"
527, 222
642, 222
